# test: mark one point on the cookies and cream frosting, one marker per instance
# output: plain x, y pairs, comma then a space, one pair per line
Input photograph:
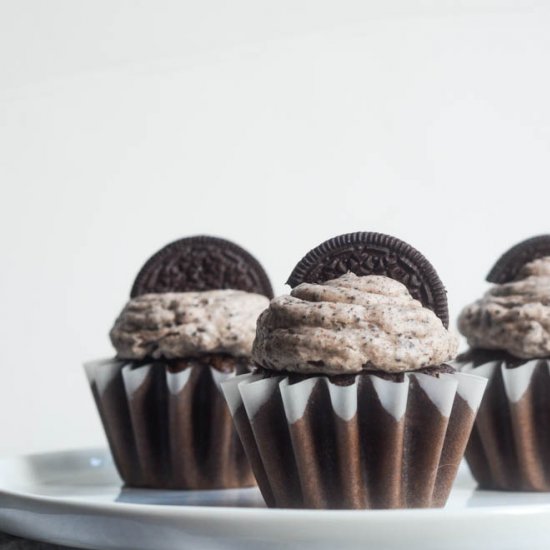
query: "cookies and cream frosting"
513, 316
350, 324
176, 325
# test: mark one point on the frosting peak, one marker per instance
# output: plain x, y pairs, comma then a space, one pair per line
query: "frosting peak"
175, 325
513, 316
350, 324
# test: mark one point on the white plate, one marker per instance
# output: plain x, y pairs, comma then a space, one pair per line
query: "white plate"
75, 498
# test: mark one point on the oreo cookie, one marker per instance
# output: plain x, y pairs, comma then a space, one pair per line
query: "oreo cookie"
510, 263
201, 263
366, 253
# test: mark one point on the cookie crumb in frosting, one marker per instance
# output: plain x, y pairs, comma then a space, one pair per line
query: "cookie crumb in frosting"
176, 325
514, 316
348, 324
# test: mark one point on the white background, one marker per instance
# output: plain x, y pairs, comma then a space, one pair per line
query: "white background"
127, 124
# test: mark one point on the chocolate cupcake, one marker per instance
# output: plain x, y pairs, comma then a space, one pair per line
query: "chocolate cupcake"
508, 331
188, 326
352, 403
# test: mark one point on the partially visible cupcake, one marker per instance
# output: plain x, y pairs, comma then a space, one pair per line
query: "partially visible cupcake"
353, 404
188, 326
508, 331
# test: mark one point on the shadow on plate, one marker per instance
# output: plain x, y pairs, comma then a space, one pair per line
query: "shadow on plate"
481, 498
242, 498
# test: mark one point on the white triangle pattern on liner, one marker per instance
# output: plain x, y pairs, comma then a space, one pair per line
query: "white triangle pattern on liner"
231, 391
134, 378
487, 369
470, 388
220, 377
92, 366
102, 372
296, 396
463, 367
441, 391
517, 379
256, 394
176, 381
393, 395
343, 399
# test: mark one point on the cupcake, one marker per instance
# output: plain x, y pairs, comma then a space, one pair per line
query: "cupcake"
188, 326
352, 403
508, 332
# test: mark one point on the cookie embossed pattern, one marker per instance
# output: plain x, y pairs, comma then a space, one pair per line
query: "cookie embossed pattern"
323, 429
374, 254
201, 263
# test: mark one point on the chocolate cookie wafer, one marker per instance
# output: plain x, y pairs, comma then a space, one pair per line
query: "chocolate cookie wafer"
201, 263
509, 265
367, 253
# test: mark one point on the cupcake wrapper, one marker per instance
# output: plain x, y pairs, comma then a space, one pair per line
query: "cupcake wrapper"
169, 430
375, 443
510, 444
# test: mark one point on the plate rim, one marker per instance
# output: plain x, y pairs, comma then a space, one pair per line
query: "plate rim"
226, 512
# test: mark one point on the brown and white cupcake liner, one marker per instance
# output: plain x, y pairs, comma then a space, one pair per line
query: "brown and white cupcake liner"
374, 443
169, 428
510, 444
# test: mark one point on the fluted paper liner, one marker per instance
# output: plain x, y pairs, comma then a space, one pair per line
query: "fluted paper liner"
510, 444
375, 443
168, 429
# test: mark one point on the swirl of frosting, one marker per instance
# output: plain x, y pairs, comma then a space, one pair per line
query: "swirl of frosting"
513, 316
175, 325
351, 324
